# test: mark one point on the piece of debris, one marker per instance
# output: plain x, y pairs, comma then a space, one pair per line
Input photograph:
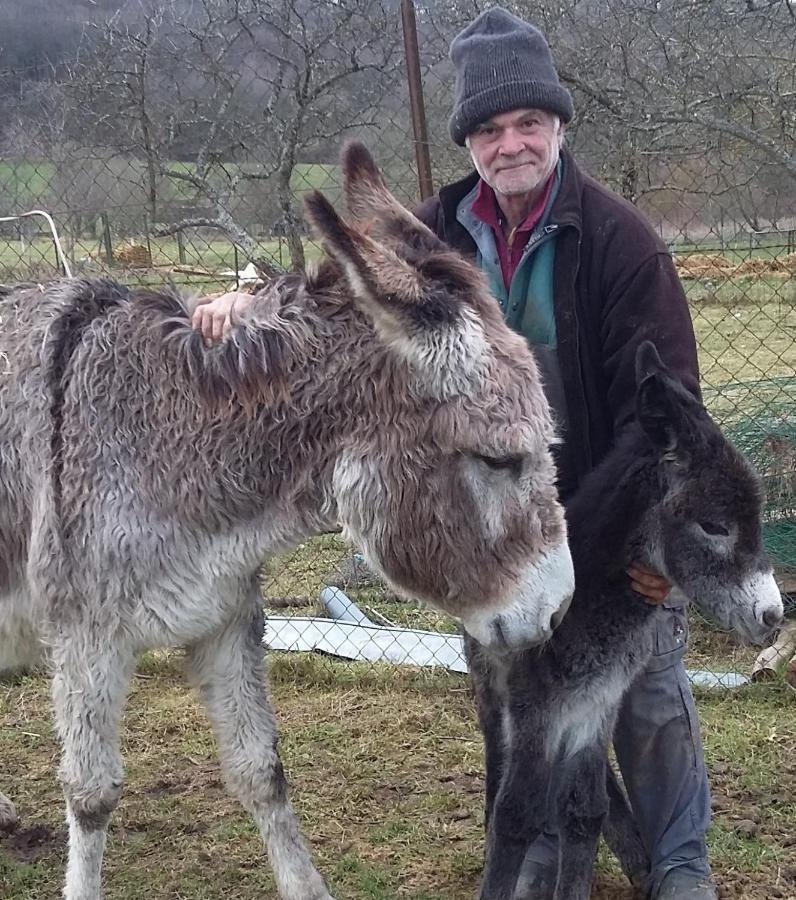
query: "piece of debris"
341, 607
193, 270
350, 634
780, 653
372, 643
249, 274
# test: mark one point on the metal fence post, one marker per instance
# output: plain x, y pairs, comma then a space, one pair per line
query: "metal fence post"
415, 82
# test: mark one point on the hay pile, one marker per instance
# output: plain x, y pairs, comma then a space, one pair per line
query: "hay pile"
714, 265
132, 255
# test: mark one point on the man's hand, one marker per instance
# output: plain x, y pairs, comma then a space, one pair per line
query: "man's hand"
213, 315
654, 588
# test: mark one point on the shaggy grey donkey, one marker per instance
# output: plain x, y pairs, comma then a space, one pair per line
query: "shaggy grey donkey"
676, 496
144, 476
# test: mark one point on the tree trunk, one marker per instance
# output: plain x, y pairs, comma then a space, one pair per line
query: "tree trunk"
293, 225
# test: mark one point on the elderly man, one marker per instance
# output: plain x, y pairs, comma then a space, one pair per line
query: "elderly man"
581, 274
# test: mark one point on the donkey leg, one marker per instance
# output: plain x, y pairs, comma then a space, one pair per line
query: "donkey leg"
581, 807
228, 669
89, 689
516, 818
490, 708
494, 760
516, 821
622, 835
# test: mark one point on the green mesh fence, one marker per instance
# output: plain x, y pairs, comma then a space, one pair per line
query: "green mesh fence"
761, 421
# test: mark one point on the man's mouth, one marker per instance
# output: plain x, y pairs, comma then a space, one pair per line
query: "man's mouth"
515, 166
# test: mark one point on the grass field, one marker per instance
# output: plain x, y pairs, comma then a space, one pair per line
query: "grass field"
386, 770
34, 181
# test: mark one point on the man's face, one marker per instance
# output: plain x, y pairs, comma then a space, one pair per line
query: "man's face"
515, 152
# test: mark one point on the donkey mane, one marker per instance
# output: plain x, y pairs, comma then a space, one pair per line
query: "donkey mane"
252, 366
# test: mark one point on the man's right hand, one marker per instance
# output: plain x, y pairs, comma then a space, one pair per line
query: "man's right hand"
653, 587
213, 315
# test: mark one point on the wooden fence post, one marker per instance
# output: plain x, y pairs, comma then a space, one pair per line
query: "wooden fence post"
106, 238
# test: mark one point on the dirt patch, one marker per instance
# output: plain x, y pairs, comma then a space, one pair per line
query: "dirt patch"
606, 888
163, 787
201, 779
29, 844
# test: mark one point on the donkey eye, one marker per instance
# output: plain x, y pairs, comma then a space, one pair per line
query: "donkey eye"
512, 462
714, 529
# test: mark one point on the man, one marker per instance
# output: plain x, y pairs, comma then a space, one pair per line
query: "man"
581, 274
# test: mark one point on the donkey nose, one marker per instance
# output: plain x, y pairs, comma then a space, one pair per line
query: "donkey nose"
772, 618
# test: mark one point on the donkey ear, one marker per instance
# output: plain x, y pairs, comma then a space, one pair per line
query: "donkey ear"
664, 408
363, 184
653, 409
416, 312
368, 200
648, 361
340, 241
656, 412
374, 272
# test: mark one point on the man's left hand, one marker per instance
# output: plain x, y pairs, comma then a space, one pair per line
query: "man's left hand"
654, 588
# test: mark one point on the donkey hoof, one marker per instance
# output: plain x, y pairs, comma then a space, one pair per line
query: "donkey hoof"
8, 815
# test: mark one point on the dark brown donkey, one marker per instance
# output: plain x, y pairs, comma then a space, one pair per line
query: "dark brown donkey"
674, 495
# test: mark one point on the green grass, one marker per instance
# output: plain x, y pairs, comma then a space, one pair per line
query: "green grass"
766, 247
744, 348
25, 180
32, 181
386, 771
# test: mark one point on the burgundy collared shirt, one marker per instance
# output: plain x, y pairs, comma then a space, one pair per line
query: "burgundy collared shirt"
510, 248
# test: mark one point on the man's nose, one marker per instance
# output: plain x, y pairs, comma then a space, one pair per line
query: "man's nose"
511, 142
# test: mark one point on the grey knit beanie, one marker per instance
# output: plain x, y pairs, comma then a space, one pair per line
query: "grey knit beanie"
502, 63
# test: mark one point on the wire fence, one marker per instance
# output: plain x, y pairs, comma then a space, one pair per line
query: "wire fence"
210, 213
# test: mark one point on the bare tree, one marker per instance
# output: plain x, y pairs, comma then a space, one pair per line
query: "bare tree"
259, 83
674, 99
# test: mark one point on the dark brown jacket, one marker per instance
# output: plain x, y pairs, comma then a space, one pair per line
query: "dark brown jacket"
615, 285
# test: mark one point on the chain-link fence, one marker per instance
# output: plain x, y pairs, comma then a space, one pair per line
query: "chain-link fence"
175, 147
